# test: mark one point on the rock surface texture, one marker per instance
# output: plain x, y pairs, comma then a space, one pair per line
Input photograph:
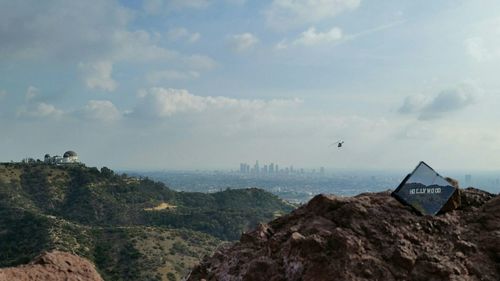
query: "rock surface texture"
367, 237
53, 266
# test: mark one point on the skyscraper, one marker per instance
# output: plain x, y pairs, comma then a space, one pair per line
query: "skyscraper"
468, 180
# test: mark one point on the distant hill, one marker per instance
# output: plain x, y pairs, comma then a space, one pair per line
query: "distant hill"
132, 228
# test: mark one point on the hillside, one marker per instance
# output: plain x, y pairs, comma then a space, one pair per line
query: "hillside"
133, 229
367, 237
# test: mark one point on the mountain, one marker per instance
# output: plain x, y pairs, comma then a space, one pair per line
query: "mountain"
131, 228
367, 237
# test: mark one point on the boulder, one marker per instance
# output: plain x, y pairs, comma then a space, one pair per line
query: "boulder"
371, 236
54, 266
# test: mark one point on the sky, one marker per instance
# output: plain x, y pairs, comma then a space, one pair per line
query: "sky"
208, 84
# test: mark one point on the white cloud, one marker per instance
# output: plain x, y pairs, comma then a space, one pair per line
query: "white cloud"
34, 109
197, 4
450, 100
162, 102
237, 2
95, 36
199, 62
97, 75
335, 36
170, 75
414, 103
31, 93
40, 110
483, 49
76, 31
476, 48
181, 33
243, 42
418, 131
102, 110
154, 7
484, 44
446, 101
291, 13
47, 110
61, 29
311, 37
194, 37
95, 110
140, 46
282, 45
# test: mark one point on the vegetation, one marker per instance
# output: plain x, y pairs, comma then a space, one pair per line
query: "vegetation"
132, 228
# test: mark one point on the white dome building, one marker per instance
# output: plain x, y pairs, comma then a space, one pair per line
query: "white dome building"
70, 157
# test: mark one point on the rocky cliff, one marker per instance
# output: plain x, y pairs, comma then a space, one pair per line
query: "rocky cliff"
54, 266
367, 237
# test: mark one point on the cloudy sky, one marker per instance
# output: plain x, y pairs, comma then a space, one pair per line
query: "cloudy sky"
205, 84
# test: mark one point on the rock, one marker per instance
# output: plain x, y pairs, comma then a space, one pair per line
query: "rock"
453, 182
297, 237
53, 266
474, 198
367, 237
455, 200
262, 233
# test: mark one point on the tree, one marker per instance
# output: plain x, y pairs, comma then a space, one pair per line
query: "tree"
107, 172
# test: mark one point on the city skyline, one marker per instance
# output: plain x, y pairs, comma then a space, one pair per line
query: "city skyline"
203, 84
275, 168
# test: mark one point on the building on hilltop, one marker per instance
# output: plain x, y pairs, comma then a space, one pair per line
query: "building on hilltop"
69, 157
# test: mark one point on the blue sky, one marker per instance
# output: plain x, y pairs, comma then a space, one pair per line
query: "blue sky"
205, 84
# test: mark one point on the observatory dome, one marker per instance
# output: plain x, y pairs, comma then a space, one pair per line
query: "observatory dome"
69, 153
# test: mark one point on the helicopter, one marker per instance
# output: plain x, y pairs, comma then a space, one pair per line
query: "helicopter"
338, 143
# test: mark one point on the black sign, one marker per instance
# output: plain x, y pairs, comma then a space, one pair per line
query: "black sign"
425, 190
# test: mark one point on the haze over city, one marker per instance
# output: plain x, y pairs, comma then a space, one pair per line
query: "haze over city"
206, 84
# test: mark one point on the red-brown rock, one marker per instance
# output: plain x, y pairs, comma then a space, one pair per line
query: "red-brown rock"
53, 266
368, 237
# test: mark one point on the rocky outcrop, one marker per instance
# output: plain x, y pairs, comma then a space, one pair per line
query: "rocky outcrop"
53, 266
367, 237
